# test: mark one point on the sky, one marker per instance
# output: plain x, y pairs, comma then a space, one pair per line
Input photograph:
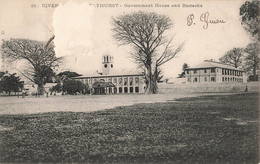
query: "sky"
83, 32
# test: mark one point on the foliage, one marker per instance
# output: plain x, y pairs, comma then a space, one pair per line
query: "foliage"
184, 66
252, 58
39, 57
63, 76
145, 32
56, 88
222, 129
250, 18
2, 74
233, 57
11, 83
74, 86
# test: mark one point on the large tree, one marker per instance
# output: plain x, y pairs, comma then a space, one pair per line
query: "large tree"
145, 32
39, 58
233, 57
74, 86
65, 75
250, 18
252, 58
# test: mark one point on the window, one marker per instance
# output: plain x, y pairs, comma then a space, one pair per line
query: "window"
212, 78
223, 79
120, 80
212, 70
223, 71
110, 79
136, 80
102, 80
205, 70
125, 90
114, 80
131, 89
195, 79
105, 65
136, 89
195, 71
120, 89
188, 71
111, 65
125, 81
205, 79
131, 81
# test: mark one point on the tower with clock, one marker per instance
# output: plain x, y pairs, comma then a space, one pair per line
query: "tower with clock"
107, 62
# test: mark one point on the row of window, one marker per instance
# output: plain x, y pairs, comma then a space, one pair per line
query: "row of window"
212, 70
107, 59
213, 79
224, 71
115, 80
231, 72
232, 79
120, 90
131, 90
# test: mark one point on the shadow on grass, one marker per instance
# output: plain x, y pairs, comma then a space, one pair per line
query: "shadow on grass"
209, 129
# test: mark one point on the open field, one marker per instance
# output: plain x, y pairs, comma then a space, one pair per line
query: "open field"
207, 129
81, 103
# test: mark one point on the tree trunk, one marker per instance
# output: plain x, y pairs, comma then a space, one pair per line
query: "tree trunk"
40, 89
151, 81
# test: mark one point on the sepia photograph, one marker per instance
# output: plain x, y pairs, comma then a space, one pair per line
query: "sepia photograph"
109, 81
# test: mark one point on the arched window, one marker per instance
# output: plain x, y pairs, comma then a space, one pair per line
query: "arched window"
131, 81
125, 90
125, 81
136, 80
114, 80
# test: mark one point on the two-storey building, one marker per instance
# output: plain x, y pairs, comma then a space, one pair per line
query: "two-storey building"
108, 83
211, 71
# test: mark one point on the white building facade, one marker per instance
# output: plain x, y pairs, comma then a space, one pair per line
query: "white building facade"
210, 71
107, 83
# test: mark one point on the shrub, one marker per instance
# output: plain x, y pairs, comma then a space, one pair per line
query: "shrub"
56, 88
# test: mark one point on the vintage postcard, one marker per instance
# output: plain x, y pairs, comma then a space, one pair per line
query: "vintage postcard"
171, 81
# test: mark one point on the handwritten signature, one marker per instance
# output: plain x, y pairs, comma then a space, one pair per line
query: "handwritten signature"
205, 19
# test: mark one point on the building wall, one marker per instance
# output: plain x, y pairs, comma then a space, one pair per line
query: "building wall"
124, 84
218, 75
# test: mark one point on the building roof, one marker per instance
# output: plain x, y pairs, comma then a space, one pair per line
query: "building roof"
213, 64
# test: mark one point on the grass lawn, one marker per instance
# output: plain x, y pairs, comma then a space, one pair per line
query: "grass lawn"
209, 129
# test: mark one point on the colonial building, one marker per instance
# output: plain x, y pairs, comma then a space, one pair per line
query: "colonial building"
211, 71
108, 83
